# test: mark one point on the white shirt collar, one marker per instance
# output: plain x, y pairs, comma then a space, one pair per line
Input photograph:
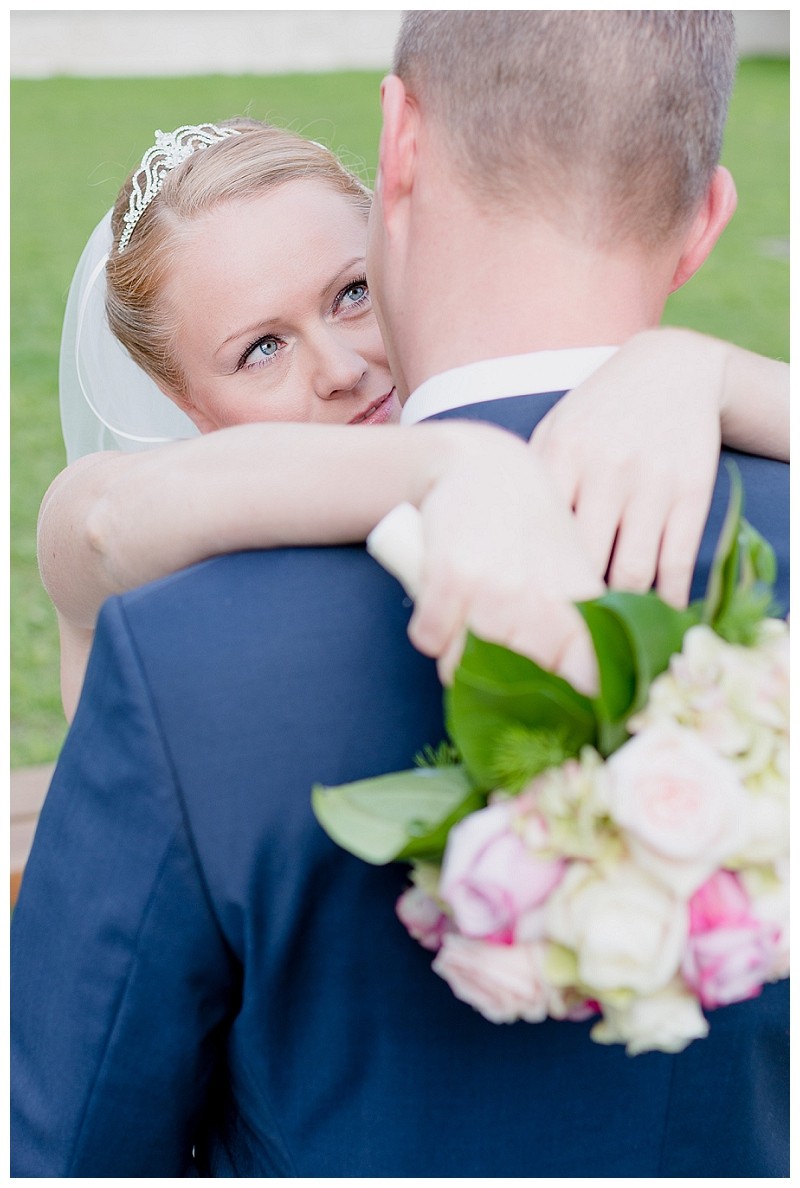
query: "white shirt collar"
496, 379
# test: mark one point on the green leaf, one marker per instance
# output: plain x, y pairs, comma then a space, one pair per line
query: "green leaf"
739, 591
634, 636
402, 815
616, 661
739, 623
724, 572
759, 566
494, 688
428, 841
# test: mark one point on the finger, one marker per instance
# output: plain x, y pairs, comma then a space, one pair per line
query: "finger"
679, 547
633, 565
450, 659
562, 465
559, 640
540, 438
598, 511
440, 611
511, 598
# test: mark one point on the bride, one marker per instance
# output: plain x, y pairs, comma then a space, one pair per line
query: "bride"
227, 292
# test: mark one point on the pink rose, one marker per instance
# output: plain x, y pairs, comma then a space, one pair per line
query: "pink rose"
682, 807
503, 982
422, 917
490, 877
730, 954
720, 901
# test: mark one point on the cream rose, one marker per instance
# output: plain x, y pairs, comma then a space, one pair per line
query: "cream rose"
682, 807
769, 898
735, 698
627, 931
666, 1021
767, 840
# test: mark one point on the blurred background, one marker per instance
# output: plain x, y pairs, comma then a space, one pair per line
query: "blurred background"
89, 89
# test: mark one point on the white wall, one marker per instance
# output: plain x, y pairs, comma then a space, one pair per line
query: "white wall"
145, 42
763, 33
204, 42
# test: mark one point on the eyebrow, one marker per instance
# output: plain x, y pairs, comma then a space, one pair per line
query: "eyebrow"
263, 324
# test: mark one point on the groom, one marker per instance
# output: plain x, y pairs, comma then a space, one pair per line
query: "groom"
203, 983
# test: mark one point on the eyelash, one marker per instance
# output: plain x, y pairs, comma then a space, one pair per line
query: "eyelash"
337, 302
359, 280
249, 350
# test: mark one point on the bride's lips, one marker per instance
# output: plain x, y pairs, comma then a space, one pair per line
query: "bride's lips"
377, 413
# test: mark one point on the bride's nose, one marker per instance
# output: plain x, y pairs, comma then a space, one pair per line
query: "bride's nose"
338, 368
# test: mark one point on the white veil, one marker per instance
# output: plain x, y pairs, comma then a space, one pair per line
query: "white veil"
107, 401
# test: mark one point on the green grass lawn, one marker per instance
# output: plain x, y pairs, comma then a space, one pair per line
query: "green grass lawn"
75, 140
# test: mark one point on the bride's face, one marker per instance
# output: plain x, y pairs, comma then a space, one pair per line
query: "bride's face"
273, 313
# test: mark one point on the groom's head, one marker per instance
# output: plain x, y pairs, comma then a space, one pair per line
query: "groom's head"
604, 126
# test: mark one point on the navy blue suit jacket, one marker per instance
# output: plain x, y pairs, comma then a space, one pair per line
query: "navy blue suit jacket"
203, 983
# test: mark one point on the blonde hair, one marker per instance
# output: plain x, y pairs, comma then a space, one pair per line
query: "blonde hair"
238, 167
613, 118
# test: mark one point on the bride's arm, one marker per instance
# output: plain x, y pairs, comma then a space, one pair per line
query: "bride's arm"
114, 521
635, 448
111, 522
749, 392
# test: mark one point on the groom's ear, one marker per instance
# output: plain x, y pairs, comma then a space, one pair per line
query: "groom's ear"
708, 224
397, 154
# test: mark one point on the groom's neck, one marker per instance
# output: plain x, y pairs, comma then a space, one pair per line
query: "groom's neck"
477, 290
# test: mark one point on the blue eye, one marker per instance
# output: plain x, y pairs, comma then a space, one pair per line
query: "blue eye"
261, 352
356, 292
353, 295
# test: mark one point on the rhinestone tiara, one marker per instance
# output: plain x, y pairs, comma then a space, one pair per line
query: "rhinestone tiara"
170, 150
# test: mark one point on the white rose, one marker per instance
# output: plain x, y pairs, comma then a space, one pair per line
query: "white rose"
735, 698
769, 901
682, 807
627, 931
662, 1022
692, 692
768, 834
769, 692
573, 800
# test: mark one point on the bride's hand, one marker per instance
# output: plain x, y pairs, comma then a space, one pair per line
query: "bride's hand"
635, 451
501, 555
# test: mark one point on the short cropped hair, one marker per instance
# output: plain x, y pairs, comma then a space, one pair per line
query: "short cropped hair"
625, 107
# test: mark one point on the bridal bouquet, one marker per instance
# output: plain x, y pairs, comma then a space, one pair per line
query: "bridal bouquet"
624, 857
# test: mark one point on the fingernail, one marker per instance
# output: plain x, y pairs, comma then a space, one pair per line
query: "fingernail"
446, 671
